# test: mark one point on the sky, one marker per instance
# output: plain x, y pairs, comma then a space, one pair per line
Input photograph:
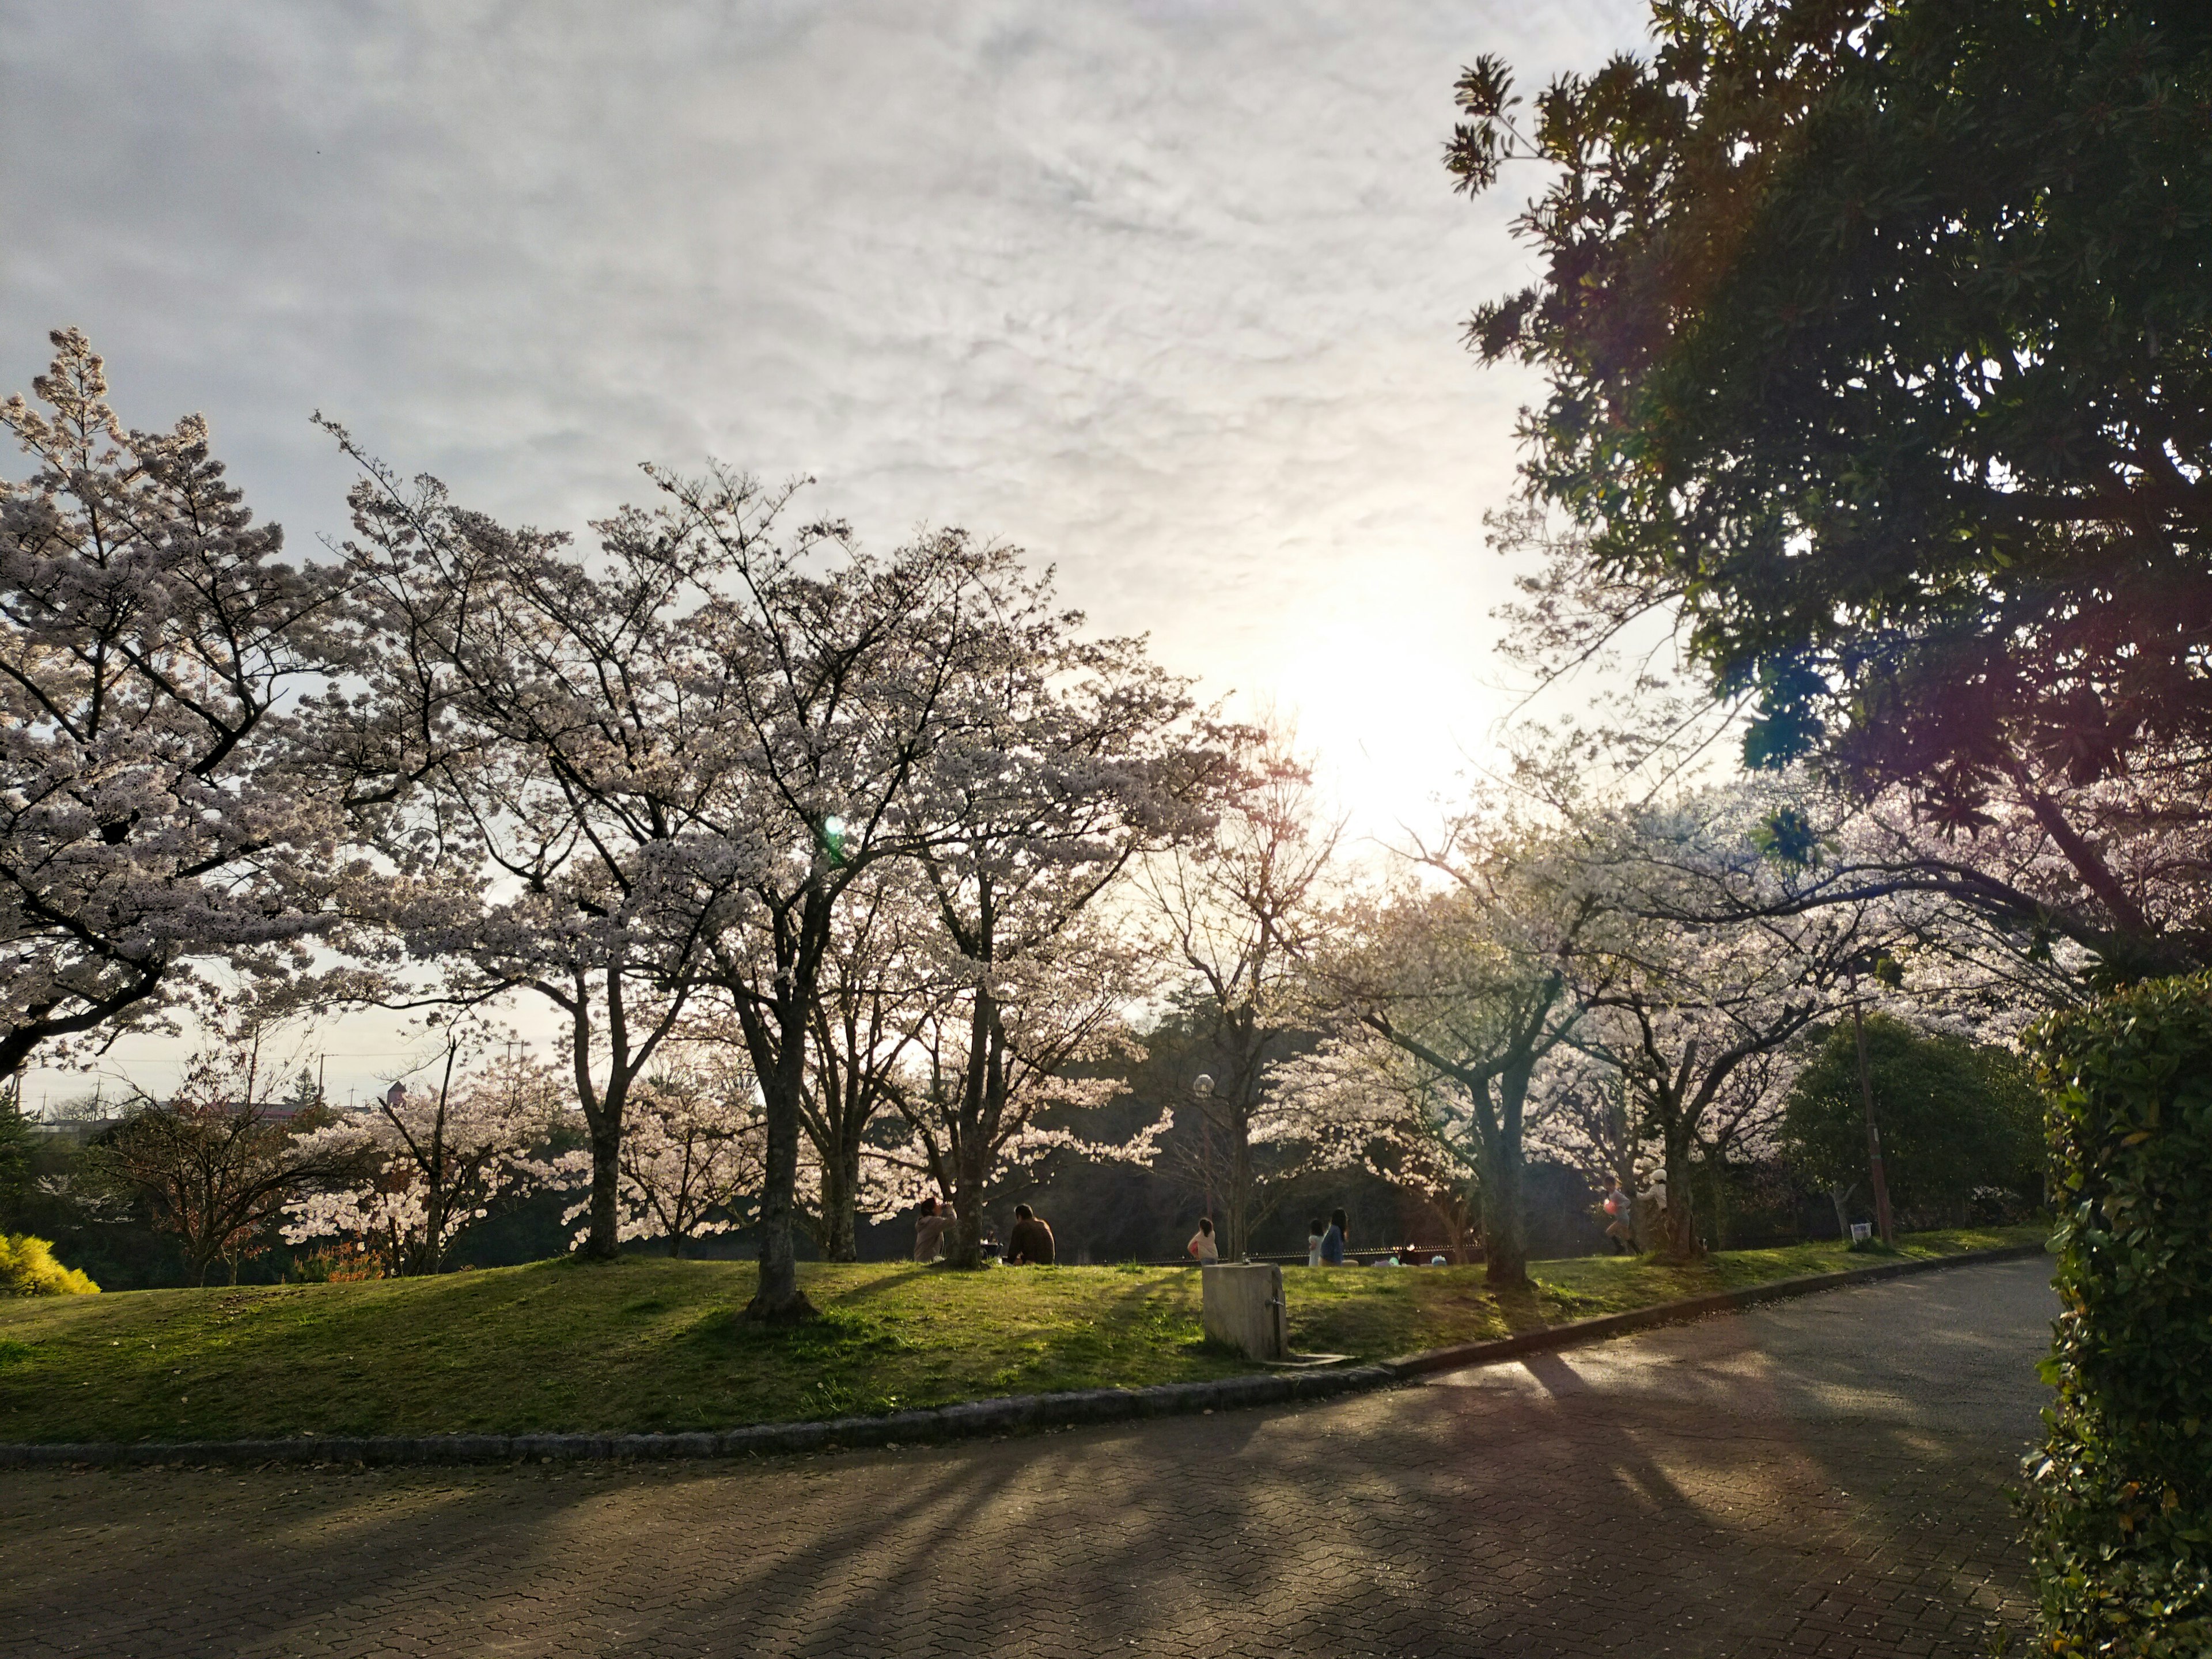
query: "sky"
1168, 294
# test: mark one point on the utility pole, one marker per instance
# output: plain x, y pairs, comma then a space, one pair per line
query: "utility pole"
1874, 1133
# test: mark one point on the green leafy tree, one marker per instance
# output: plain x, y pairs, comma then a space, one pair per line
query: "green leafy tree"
1954, 1116
1879, 342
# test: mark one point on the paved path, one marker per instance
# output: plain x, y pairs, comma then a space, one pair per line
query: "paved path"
1821, 1476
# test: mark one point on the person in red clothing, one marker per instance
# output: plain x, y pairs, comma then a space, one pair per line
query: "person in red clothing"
1029, 1242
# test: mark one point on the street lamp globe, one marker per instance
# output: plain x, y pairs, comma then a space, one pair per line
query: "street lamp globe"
1202, 1084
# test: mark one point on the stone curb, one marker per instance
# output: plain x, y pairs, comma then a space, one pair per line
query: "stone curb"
967, 1420
964, 1421
1674, 1313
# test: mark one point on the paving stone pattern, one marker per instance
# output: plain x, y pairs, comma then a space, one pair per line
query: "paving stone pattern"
1822, 1477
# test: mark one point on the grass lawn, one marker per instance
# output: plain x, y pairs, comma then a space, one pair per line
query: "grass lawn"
647, 1344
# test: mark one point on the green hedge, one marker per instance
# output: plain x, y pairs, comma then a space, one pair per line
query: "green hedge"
2119, 1499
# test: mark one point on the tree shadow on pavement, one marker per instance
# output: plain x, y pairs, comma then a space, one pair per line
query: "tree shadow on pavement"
1725, 1489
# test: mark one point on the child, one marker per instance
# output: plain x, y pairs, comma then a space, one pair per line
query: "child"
1202, 1247
1313, 1242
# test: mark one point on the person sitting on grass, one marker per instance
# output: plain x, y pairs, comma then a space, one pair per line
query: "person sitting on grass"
1332, 1242
1202, 1246
1313, 1242
935, 1220
1029, 1243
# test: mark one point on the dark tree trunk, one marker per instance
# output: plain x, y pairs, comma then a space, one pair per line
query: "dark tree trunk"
840, 1185
602, 1241
1504, 1243
1504, 1236
1237, 1244
779, 1300
1675, 1228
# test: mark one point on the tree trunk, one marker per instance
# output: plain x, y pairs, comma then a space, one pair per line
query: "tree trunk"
1504, 1238
779, 1300
840, 1185
1676, 1228
1238, 1243
967, 1240
983, 1100
603, 1239
1504, 1244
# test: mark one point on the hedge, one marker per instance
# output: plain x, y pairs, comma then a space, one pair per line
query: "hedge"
2119, 1497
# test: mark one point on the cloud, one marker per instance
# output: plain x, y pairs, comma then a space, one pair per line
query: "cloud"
1167, 293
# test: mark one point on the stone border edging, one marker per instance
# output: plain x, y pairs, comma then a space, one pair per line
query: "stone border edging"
971, 1418
1672, 1313
964, 1421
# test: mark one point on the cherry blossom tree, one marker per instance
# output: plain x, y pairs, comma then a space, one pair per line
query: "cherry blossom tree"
1467, 972
880, 989
167, 802
215, 1160
679, 758
1073, 759
839, 675
1691, 1008
932, 706
1358, 1103
1237, 912
564, 720
692, 1151
432, 1158
975, 1091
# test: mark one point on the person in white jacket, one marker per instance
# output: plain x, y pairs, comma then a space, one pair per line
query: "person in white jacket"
1202, 1248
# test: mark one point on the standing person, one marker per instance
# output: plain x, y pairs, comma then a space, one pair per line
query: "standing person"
1202, 1247
1332, 1242
1651, 1204
1313, 1242
930, 1227
1028, 1244
1620, 1221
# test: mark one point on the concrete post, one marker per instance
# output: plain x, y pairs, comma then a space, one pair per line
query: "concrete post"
1244, 1308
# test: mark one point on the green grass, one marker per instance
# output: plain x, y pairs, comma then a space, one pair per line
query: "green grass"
647, 1344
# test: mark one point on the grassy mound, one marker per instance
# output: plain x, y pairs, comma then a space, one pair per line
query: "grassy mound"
650, 1344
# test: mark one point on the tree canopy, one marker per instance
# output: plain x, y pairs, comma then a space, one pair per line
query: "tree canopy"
1954, 1116
1878, 341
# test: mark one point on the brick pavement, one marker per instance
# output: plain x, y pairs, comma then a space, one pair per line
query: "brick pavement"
1818, 1477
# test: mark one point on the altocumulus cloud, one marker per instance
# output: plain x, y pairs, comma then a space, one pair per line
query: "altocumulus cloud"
1167, 293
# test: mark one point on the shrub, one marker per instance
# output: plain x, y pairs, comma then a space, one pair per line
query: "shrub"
27, 1267
339, 1264
2119, 1499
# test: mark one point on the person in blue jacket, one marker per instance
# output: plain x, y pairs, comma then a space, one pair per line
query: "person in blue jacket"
1332, 1242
